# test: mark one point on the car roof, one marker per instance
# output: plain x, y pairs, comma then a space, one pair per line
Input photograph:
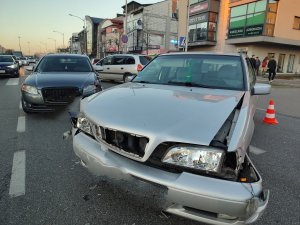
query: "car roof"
68, 55
128, 55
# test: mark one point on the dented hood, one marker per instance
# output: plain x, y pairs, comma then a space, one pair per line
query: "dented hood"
161, 112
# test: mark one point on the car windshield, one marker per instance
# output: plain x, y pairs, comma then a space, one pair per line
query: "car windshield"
23, 58
64, 64
6, 59
211, 71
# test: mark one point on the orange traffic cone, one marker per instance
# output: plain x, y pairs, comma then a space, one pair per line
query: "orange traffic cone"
270, 114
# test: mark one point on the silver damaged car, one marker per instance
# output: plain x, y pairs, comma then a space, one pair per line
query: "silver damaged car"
184, 123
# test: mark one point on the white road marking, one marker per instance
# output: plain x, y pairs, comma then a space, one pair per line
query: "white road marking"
20, 105
17, 181
13, 81
21, 124
260, 109
256, 151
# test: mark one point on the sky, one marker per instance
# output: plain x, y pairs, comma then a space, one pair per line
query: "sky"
34, 21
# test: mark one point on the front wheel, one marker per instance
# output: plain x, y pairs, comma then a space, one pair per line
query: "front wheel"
126, 77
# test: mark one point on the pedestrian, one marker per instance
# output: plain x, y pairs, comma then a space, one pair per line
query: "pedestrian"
264, 66
272, 69
257, 65
253, 61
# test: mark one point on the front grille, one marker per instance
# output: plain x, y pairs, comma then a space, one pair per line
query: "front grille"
59, 95
127, 143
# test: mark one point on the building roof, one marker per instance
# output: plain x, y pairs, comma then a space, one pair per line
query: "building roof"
134, 2
95, 20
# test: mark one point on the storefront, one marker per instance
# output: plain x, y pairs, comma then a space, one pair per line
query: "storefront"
203, 19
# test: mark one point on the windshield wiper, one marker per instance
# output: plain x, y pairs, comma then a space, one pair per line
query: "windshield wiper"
189, 84
142, 81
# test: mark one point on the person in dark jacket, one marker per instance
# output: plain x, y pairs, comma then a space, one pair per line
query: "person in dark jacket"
257, 65
253, 62
272, 69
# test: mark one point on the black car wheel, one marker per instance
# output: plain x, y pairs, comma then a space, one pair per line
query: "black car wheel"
125, 77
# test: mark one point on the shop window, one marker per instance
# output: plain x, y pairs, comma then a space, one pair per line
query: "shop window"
291, 64
211, 36
296, 23
238, 11
254, 19
260, 6
201, 32
238, 22
192, 29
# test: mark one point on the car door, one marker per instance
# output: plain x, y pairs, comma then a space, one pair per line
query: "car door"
118, 67
106, 64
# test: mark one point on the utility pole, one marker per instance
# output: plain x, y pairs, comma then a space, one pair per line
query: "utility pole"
63, 35
19, 43
28, 42
187, 26
125, 26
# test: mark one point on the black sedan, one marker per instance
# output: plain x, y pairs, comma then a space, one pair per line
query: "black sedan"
57, 80
8, 66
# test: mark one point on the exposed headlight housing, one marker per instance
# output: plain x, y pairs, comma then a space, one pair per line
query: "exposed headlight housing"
14, 66
199, 158
89, 89
84, 124
29, 89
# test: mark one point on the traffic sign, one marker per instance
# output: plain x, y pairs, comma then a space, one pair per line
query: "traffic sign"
124, 38
182, 41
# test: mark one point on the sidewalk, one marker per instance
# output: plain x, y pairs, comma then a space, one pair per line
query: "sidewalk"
281, 81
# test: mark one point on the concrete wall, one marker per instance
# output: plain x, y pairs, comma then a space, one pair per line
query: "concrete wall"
287, 10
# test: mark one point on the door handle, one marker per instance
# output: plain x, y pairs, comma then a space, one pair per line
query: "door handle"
107, 68
122, 68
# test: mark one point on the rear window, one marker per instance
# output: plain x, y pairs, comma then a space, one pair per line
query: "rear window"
6, 59
64, 64
145, 60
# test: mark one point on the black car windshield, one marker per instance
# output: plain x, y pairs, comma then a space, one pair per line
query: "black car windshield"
6, 59
210, 71
64, 64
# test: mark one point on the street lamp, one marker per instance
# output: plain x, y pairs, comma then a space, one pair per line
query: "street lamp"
84, 30
54, 43
62, 35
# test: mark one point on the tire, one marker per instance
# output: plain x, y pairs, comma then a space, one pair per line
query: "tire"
24, 107
125, 77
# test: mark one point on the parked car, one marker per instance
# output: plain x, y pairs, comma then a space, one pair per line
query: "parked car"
120, 67
57, 80
8, 66
184, 123
31, 60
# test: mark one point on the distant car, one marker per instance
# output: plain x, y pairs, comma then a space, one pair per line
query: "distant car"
8, 66
184, 124
24, 61
31, 60
122, 66
57, 80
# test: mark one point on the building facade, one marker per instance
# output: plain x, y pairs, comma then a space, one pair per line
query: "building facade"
151, 28
92, 24
257, 27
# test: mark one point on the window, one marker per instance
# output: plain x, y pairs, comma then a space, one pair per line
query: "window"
291, 64
130, 60
107, 60
144, 60
118, 60
296, 23
252, 77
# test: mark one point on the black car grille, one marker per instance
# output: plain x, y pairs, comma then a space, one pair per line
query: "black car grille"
60, 95
127, 143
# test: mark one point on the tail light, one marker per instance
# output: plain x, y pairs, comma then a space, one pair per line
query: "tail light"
139, 67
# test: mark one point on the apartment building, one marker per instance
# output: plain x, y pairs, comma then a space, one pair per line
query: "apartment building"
257, 27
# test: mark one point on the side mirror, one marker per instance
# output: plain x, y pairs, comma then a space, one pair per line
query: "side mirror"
261, 89
29, 68
98, 68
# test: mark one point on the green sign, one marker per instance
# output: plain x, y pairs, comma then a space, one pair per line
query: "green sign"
254, 30
236, 32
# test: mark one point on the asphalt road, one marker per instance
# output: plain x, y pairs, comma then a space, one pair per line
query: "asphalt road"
58, 190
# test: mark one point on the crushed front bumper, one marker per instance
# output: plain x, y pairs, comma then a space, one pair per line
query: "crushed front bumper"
205, 199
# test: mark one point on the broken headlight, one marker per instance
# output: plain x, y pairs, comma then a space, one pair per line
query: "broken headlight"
84, 124
200, 158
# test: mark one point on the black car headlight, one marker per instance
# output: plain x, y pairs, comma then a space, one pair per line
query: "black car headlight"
200, 158
29, 89
84, 124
